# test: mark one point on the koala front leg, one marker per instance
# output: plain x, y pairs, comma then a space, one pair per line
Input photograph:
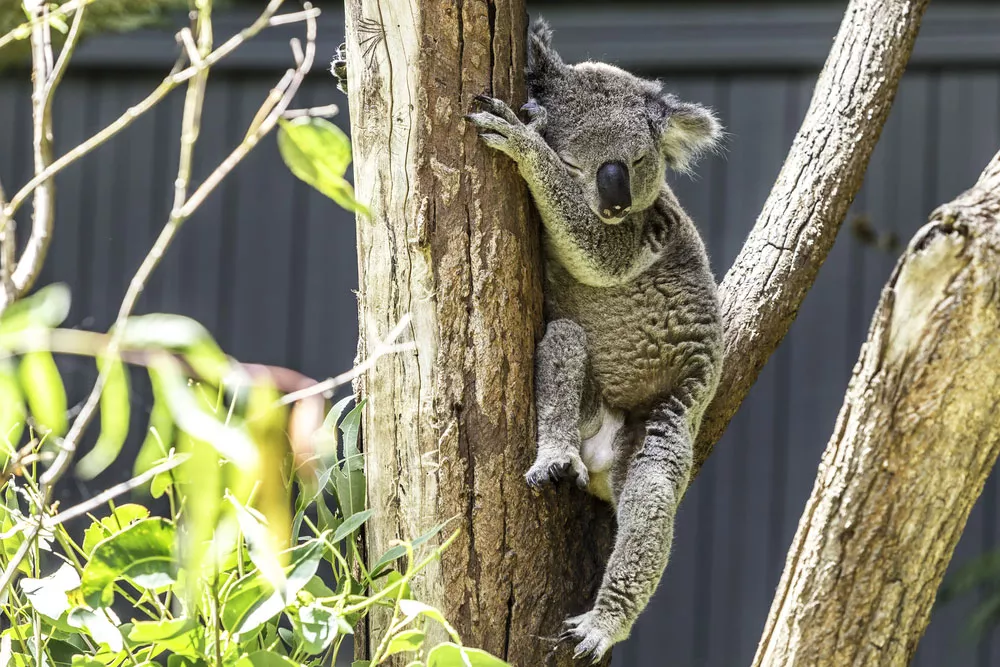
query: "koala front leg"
563, 400
653, 482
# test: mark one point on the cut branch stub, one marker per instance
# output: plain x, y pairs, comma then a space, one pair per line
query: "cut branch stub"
916, 438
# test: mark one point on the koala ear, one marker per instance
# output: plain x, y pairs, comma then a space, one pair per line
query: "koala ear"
686, 131
543, 61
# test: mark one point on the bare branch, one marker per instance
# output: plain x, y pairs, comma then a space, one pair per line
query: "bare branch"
173, 80
915, 440
178, 216
763, 290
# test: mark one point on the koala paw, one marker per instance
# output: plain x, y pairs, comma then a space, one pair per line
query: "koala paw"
550, 469
339, 67
500, 128
593, 634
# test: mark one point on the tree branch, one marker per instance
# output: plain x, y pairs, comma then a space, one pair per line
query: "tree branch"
763, 290
916, 438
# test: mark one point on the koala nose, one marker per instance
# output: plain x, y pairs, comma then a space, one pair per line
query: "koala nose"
613, 191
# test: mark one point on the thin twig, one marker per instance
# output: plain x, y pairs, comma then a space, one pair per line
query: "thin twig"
173, 80
8, 248
114, 491
163, 242
325, 111
44, 196
384, 347
23, 30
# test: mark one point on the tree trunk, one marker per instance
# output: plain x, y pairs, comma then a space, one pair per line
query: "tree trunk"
913, 445
826, 164
449, 430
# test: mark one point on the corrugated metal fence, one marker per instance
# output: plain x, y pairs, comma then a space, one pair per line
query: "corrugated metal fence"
269, 265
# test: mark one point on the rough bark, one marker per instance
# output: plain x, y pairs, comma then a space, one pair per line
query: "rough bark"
823, 171
450, 429
914, 443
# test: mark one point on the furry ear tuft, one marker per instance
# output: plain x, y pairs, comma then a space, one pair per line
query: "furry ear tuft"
687, 131
543, 61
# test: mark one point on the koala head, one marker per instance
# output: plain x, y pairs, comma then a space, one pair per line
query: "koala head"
615, 132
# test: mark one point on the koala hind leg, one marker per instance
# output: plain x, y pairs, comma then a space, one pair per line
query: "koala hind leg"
649, 483
565, 400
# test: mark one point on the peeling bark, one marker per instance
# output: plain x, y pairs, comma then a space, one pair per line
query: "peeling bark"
914, 443
823, 171
452, 240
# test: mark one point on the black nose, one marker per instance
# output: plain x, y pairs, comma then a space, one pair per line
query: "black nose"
613, 191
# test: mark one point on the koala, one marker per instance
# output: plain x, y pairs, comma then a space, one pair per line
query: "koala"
632, 350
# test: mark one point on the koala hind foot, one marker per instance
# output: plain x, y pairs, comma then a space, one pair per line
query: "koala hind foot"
552, 464
594, 633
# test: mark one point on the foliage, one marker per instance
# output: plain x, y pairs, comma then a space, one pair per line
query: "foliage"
980, 575
209, 584
256, 563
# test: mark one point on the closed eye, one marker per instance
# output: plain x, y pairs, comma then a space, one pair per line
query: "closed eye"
639, 160
572, 165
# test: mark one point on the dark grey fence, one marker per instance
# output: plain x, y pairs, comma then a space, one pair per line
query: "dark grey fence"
268, 265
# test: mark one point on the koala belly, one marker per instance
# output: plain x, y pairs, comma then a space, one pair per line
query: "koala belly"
636, 340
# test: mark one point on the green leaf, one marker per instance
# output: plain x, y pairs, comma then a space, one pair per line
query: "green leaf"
143, 553
260, 545
408, 640
351, 524
179, 334
185, 636
97, 624
318, 152
46, 308
317, 625
12, 411
229, 440
178, 660
44, 389
202, 496
252, 601
353, 459
266, 659
453, 655
48, 594
115, 411
122, 517
361, 663
159, 434
413, 608
399, 550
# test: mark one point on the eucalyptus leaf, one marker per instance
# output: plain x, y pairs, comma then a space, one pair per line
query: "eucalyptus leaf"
351, 524
266, 659
229, 440
183, 335
102, 629
253, 601
122, 517
408, 640
159, 434
115, 412
184, 636
453, 655
317, 625
48, 594
44, 390
318, 152
142, 553
12, 411
46, 308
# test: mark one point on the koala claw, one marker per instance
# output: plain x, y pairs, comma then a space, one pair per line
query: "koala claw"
339, 67
549, 471
593, 639
498, 108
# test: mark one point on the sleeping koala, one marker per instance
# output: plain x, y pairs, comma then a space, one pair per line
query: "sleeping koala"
632, 350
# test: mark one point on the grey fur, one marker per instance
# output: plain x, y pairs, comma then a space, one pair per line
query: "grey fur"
634, 327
